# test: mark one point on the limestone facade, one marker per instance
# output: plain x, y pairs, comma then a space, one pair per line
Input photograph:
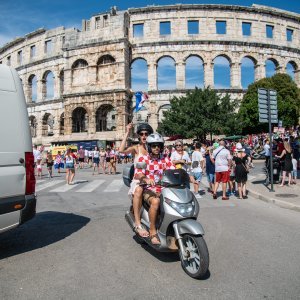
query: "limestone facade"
90, 70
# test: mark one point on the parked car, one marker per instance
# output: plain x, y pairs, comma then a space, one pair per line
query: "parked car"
17, 180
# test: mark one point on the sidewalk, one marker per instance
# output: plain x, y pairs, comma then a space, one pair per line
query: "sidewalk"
286, 196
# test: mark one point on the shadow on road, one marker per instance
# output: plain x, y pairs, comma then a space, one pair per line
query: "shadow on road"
44, 229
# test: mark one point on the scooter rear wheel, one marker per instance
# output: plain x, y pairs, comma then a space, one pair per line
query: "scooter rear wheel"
197, 262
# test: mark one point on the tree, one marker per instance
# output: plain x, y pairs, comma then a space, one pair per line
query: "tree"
199, 113
288, 97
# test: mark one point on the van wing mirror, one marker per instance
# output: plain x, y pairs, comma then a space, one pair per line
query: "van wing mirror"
141, 165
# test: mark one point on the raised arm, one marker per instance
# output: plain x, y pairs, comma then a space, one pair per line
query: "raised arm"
122, 148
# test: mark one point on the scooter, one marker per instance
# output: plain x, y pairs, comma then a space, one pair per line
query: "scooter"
177, 225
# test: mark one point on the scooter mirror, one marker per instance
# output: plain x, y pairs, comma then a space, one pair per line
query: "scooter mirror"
141, 165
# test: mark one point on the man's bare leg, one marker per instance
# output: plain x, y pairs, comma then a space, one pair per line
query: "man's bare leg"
137, 204
154, 206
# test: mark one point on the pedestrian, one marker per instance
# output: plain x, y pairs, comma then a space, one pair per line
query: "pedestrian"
210, 169
267, 152
36, 155
241, 161
49, 162
90, 161
295, 171
96, 160
81, 154
112, 161
179, 157
286, 155
103, 160
86, 157
197, 169
58, 163
70, 166
39, 168
222, 160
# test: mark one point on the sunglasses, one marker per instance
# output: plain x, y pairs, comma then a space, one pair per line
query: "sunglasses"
178, 145
144, 134
155, 146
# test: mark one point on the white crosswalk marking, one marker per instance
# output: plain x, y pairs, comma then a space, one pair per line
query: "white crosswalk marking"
48, 184
40, 180
63, 188
114, 186
90, 186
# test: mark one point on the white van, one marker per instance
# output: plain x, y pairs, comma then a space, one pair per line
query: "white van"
17, 180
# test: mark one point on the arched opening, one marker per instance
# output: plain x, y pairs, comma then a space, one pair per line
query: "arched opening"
139, 75
80, 120
32, 91
61, 82
291, 68
166, 73
106, 118
194, 72
33, 126
106, 70
48, 85
62, 124
247, 72
142, 116
80, 72
48, 122
222, 72
271, 65
161, 111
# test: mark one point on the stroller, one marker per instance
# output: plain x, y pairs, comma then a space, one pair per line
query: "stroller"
276, 170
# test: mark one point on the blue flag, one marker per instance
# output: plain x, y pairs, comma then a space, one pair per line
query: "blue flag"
140, 99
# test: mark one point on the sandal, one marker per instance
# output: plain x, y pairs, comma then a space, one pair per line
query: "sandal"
141, 232
157, 238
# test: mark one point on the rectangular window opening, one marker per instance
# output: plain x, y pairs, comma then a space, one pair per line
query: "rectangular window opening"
48, 47
221, 27
193, 27
20, 57
138, 30
105, 20
97, 23
269, 31
165, 28
246, 27
8, 60
289, 35
32, 51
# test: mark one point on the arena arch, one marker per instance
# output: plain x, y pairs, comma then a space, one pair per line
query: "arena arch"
33, 126
248, 65
47, 125
106, 69
194, 72
80, 120
48, 85
106, 116
61, 82
139, 74
271, 65
62, 124
32, 88
166, 73
222, 71
291, 68
80, 72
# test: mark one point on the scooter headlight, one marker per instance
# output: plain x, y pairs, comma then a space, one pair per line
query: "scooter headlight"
185, 209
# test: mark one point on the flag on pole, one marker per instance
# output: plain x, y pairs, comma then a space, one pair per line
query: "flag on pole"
140, 99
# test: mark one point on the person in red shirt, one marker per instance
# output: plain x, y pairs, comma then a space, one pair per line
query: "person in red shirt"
156, 163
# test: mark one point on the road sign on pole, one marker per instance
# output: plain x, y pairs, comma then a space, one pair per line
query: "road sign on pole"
268, 113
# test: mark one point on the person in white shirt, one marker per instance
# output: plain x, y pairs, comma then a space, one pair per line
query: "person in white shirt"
197, 169
222, 160
179, 157
294, 172
267, 152
36, 154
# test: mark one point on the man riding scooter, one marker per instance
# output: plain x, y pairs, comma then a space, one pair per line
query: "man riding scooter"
156, 163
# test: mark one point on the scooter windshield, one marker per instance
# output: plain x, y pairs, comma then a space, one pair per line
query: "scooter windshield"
172, 178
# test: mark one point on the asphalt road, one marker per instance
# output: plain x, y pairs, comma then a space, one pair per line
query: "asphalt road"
80, 247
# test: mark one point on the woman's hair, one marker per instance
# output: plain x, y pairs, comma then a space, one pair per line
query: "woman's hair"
287, 147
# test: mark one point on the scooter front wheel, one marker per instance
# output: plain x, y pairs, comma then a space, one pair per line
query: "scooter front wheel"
196, 261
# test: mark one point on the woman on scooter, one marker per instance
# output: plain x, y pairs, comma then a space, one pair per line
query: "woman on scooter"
137, 151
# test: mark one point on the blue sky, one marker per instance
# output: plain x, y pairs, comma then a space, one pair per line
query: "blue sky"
19, 17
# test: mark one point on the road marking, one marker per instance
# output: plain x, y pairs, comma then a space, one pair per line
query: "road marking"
48, 184
90, 186
40, 180
114, 186
64, 188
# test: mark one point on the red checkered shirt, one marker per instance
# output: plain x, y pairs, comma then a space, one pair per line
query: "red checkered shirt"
154, 170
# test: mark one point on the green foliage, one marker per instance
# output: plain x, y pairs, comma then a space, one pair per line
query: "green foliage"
288, 97
199, 113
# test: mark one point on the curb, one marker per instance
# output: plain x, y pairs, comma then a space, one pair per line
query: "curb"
280, 203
